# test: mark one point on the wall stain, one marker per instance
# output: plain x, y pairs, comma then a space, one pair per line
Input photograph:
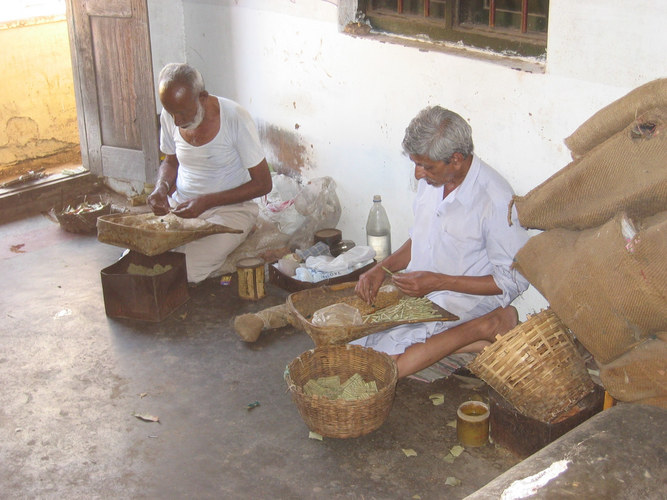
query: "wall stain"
285, 150
21, 130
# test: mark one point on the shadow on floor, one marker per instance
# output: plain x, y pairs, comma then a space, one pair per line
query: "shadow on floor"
73, 379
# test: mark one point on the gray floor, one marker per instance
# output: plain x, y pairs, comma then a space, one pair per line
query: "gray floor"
72, 378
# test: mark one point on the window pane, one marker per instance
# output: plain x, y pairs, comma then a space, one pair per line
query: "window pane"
538, 13
391, 5
437, 9
415, 7
508, 14
474, 12
466, 21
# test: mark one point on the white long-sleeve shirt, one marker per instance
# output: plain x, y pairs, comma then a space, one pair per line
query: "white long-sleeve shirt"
467, 234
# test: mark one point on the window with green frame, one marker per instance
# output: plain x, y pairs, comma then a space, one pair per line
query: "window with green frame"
505, 26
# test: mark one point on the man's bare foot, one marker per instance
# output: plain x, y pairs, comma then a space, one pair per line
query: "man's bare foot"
504, 320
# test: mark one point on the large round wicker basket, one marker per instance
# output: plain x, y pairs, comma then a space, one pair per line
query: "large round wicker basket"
341, 418
536, 367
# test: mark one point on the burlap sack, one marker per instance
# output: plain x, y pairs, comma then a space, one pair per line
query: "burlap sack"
638, 375
627, 173
660, 401
610, 292
616, 116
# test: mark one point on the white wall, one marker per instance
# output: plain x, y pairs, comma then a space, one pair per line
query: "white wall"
348, 100
614, 43
167, 32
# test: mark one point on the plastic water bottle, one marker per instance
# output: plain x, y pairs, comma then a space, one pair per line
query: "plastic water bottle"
378, 230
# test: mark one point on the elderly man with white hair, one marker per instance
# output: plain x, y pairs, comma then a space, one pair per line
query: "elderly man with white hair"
460, 250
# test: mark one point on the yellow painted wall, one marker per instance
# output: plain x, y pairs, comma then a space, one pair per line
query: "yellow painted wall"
37, 104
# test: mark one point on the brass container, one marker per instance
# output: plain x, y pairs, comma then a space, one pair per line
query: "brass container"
472, 423
251, 278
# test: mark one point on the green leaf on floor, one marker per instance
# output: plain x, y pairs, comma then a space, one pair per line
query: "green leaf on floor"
437, 399
457, 450
452, 481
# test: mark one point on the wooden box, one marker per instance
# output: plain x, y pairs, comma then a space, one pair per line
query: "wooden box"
145, 297
523, 435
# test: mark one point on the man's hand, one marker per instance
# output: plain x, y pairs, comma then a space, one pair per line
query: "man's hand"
158, 202
418, 283
191, 208
369, 283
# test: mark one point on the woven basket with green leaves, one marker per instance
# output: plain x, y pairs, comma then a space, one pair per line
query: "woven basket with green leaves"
341, 418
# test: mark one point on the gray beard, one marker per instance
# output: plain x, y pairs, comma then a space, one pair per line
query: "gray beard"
199, 117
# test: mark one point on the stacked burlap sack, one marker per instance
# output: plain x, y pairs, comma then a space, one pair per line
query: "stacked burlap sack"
600, 260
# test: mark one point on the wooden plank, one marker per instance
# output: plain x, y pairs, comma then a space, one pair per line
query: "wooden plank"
78, 95
147, 118
108, 8
123, 163
116, 81
45, 195
84, 79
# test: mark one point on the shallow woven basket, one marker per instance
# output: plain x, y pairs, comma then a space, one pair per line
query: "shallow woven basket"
340, 418
536, 367
303, 305
128, 231
85, 222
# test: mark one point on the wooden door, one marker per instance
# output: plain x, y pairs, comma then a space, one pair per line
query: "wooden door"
113, 80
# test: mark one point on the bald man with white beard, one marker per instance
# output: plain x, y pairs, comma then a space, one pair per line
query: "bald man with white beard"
213, 168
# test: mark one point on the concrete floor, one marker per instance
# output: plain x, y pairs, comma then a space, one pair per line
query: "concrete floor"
72, 378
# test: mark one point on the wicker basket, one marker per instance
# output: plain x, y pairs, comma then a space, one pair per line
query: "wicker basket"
84, 222
340, 418
304, 303
536, 367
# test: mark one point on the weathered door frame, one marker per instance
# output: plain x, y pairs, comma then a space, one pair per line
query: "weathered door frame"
136, 164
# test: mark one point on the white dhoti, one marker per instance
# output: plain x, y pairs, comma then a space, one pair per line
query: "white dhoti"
204, 257
397, 339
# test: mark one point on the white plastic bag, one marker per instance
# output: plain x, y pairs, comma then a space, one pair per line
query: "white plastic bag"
340, 314
279, 204
319, 204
